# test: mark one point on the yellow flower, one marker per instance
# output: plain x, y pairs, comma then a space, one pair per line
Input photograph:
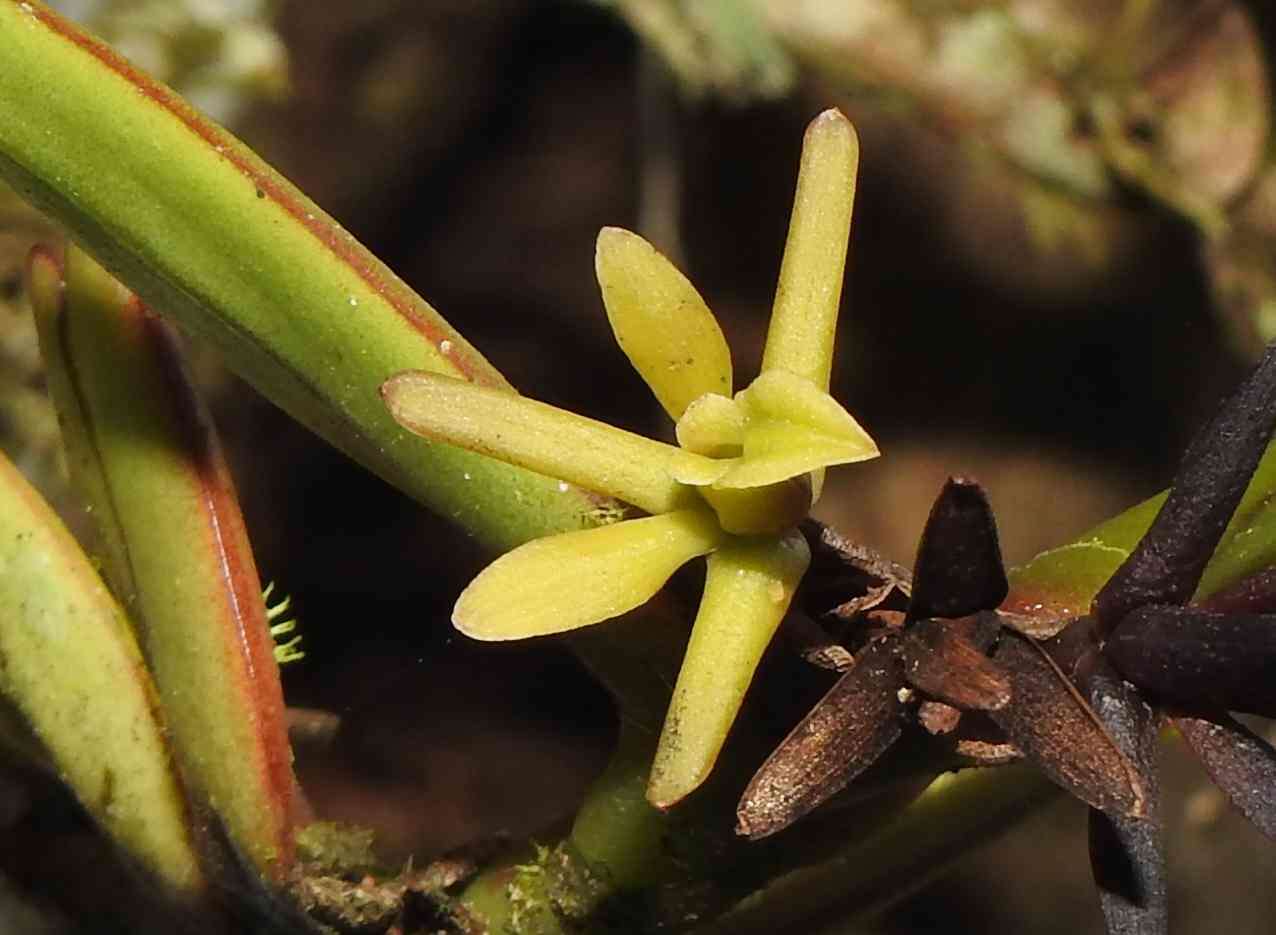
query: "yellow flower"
745, 472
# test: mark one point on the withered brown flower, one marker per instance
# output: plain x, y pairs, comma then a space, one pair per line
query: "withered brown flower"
1082, 697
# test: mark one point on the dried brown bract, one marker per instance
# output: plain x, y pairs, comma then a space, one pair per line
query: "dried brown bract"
1083, 698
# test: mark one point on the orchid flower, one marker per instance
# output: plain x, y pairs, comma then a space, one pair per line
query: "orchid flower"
746, 469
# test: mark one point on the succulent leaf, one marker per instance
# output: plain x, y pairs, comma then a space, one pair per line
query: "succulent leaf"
73, 671
747, 591
661, 322
542, 438
575, 579
161, 492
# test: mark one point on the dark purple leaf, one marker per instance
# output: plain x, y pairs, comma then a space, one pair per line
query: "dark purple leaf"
1166, 565
942, 660
1239, 762
1253, 595
844, 734
1055, 728
959, 569
1128, 862
1198, 658
1127, 854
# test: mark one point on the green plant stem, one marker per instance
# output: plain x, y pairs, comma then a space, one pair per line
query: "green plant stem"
204, 231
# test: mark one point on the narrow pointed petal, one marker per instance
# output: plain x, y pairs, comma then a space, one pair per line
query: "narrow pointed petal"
575, 579
1239, 762
1193, 657
958, 569
661, 322
72, 671
747, 591
542, 438
713, 425
1056, 728
1127, 855
945, 663
178, 555
804, 317
1166, 566
845, 733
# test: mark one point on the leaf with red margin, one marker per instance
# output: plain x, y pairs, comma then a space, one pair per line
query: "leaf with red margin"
201, 227
144, 447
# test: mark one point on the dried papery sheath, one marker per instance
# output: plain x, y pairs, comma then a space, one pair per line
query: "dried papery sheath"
1054, 726
959, 569
1166, 566
945, 663
1192, 657
851, 726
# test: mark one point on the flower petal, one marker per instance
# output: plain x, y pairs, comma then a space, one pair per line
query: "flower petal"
747, 592
756, 511
777, 451
804, 318
793, 428
787, 397
542, 438
661, 322
575, 579
713, 425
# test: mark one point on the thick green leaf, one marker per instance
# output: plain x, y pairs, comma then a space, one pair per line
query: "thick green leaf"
575, 579
199, 226
747, 591
70, 666
147, 459
1061, 582
661, 322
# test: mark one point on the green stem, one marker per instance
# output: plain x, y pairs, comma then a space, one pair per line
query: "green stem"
202, 229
